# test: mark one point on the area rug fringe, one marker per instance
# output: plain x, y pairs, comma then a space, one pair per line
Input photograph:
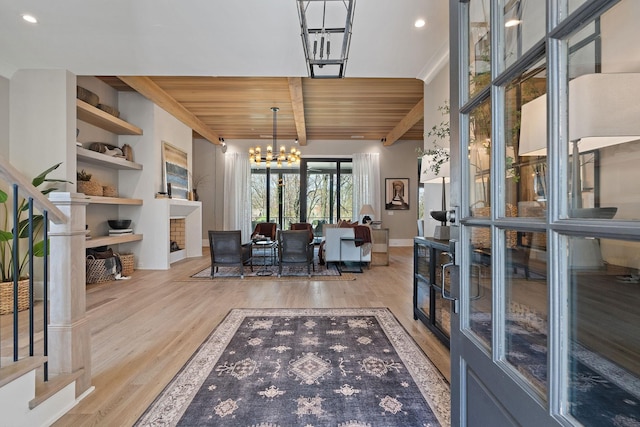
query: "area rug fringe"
198, 375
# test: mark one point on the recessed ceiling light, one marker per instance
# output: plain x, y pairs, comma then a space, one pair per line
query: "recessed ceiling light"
512, 23
30, 18
419, 23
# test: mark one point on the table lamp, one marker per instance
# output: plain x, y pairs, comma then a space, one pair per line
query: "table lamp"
367, 210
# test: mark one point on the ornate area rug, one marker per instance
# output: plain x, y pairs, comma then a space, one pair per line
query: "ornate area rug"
305, 367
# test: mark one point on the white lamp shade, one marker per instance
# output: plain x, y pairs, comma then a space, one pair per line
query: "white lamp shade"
603, 111
367, 210
427, 175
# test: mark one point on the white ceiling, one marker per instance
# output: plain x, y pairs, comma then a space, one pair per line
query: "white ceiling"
213, 37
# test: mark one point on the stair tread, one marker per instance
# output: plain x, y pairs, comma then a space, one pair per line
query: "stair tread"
44, 390
17, 369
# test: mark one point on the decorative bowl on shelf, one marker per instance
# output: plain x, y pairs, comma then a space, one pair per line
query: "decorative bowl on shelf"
119, 224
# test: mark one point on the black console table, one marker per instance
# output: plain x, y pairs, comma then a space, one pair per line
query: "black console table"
428, 305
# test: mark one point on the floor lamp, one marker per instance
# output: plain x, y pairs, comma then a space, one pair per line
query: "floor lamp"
603, 111
428, 175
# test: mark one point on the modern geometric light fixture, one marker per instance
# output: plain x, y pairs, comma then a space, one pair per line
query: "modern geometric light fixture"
326, 34
271, 154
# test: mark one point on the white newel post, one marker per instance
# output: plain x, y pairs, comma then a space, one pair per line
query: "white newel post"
69, 330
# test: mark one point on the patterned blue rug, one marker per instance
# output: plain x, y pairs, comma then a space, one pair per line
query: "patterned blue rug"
305, 367
601, 393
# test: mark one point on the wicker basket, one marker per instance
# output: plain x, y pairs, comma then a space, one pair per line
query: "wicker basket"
90, 188
109, 109
6, 296
481, 236
127, 264
100, 270
109, 191
87, 96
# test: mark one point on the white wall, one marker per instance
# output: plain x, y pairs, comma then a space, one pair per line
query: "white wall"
158, 126
4, 117
208, 161
43, 123
436, 92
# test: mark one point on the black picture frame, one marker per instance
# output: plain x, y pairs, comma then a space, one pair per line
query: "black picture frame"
396, 194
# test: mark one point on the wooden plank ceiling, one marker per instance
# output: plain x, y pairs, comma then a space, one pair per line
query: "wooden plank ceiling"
310, 109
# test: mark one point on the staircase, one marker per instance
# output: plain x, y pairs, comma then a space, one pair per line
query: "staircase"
44, 348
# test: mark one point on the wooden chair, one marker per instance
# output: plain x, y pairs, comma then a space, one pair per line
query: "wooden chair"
227, 250
294, 247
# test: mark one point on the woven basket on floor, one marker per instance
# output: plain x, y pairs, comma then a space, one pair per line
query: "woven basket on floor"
127, 264
6, 296
90, 188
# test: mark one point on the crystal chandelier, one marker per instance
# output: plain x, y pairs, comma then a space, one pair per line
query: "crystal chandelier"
256, 157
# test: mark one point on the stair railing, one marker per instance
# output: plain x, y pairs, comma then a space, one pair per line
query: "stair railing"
35, 199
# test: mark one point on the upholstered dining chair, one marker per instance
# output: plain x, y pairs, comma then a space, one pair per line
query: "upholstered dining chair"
303, 226
267, 229
227, 250
294, 247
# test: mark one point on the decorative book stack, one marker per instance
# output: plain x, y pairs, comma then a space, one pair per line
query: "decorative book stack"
121, 232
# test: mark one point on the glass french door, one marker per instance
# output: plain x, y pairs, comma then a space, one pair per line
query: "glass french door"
545, 147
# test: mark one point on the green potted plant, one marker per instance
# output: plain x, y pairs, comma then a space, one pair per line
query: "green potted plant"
7, 272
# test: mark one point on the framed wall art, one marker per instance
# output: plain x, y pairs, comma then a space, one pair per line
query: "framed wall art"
175, 171
397, 193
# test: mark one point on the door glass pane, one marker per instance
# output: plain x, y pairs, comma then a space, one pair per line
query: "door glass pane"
479, 46
321, 190
274, 197
258, 197
442, 313
604, 359
526, 171
480, 288
524, 23
526, 306
290, 190
346, 191
604, 130
479, 152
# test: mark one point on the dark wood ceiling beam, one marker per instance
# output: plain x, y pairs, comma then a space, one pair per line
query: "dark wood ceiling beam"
414, 116
297, 105
147, 88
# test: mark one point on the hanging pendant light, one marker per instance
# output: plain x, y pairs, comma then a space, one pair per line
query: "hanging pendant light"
292, 158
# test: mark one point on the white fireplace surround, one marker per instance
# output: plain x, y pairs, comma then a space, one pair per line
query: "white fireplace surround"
156, 252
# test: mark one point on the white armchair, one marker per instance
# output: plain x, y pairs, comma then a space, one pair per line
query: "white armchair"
336, 250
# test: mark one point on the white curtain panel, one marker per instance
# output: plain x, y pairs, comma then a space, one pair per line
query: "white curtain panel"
366, 183
237, 194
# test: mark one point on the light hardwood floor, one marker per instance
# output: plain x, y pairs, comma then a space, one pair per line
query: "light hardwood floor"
144, 329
